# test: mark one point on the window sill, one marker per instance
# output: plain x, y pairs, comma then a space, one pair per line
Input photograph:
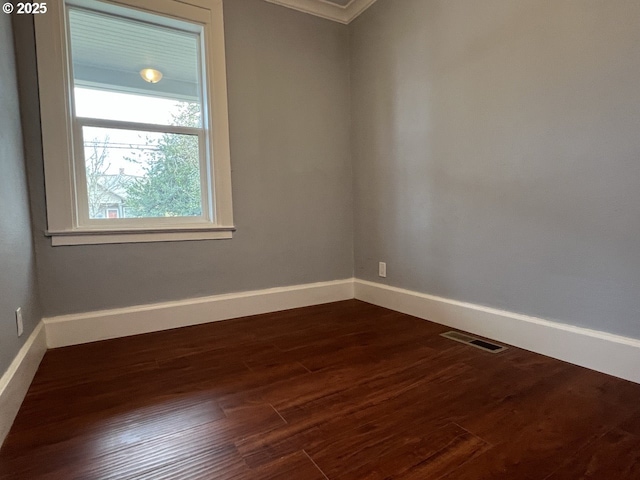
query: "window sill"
98, 237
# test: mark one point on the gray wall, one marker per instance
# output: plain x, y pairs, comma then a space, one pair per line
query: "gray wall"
18, 287
496, 150
288, 79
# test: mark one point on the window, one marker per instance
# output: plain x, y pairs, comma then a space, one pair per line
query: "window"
134, 121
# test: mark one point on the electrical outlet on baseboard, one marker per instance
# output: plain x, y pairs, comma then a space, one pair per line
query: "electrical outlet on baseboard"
382, 269
19, 323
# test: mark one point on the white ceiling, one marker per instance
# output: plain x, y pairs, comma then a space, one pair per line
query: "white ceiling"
343, 11
109, 52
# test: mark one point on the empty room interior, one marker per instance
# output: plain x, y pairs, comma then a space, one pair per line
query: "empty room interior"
320, 239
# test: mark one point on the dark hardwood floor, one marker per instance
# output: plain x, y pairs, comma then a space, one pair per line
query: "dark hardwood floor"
339, 391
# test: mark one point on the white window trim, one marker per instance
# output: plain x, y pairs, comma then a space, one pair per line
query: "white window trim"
57, 128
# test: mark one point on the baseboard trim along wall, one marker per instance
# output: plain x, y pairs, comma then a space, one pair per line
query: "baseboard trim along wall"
16, 380
604, 352
101, 325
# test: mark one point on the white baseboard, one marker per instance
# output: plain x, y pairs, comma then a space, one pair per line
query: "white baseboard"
604, 352
16, 380
93, 326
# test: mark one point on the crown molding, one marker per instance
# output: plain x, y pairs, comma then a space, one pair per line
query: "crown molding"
322, 8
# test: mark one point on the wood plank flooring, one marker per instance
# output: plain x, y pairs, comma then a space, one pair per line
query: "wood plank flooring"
338, 391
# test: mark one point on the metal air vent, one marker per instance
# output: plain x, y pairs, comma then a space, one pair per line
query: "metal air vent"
474, 342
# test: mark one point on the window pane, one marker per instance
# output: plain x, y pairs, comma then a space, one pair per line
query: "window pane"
109, 54
107, 105
134, 174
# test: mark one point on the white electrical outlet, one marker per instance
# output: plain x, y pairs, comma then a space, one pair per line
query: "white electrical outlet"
382, 269
19, 321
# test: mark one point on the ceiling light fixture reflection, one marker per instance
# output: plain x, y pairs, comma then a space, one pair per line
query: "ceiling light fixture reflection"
150, 75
